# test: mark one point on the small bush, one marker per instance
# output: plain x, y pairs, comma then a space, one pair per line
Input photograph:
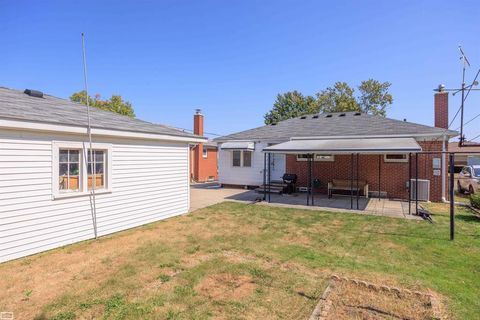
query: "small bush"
164, 277
475, 200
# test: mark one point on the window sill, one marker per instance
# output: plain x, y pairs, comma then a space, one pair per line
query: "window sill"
79, 194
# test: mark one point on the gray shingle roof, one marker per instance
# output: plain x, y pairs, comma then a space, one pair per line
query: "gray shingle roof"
16, 105
334, 124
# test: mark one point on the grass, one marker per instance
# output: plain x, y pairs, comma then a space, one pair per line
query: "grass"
242, 261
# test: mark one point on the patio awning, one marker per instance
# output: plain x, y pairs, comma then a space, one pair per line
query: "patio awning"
238, 145
346, 146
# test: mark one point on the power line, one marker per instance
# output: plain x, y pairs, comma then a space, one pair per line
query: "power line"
477, 136
210, 133
469, 121
449, 125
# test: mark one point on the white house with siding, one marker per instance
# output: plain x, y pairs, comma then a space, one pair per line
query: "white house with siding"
139, 170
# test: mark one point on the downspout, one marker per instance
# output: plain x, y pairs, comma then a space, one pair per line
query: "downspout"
444, 168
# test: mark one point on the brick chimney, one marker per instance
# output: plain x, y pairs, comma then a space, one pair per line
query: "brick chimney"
198, 150
198, 123
441, 108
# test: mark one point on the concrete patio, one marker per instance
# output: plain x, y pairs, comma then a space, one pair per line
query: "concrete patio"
203, 195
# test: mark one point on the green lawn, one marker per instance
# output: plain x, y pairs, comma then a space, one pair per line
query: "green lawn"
240, 261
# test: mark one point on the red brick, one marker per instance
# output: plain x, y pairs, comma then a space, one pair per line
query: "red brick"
393, 175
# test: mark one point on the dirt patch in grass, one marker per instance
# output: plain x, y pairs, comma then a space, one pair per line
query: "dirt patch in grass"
226, 286
361, 300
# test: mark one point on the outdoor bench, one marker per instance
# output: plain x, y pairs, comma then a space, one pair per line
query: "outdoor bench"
347, 185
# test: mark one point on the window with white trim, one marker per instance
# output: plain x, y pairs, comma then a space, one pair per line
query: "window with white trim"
242, 158
317, 157
98, 165
396, 157
247, 158
236, 158
69, 178
204, 152
76, 172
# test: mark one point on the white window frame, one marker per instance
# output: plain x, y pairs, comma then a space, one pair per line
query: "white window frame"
318, 157
83, 175
204, 152
243, 158
405, 159
242, 164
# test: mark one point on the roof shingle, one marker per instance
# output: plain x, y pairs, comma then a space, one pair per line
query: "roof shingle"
16, 105
336, 124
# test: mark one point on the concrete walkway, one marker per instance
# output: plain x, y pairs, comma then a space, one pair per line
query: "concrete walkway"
207, 194
204, 195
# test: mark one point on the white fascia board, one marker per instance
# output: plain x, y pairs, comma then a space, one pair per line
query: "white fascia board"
251, 140
415, 136
46, 127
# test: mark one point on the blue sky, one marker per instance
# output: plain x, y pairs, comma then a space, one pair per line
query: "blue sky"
231, 58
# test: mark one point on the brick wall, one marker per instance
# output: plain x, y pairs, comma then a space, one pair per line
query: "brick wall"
203, 169
206, 167
393, 175
441, 109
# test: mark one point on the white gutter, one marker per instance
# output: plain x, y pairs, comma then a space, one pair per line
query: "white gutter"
46, 127
432, 135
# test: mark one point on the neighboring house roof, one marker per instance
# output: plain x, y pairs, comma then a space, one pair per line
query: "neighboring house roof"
16, 105
453, 147
336, 124
210, 144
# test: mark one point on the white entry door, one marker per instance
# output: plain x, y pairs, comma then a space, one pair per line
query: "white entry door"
277, 166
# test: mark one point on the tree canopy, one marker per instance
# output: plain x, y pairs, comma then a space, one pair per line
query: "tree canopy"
373, 98
290, 105
114, 104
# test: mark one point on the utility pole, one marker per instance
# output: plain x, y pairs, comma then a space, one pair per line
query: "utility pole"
464, 87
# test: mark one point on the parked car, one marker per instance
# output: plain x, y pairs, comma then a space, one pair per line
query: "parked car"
469, 179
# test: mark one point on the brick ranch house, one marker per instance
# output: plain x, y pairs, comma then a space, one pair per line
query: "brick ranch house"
382, 145
203, 156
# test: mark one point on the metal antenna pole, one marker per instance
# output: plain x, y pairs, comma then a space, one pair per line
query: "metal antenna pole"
465, 63
93, 205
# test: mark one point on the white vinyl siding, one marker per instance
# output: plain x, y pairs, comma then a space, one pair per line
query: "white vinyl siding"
253, 175
149, 183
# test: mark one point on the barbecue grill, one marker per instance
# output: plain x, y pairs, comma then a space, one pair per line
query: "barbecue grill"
290, 179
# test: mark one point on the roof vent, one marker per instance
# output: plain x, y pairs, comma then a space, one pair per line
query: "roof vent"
33, 93
328, 116
357, 114
342, 115
303, 117
315, 116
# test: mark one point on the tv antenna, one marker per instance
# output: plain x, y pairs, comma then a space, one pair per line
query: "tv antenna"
93, 205
464, 87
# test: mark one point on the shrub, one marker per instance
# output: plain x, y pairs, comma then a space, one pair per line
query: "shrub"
475, 200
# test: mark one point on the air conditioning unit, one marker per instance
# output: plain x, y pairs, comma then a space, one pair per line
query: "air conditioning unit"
423, 189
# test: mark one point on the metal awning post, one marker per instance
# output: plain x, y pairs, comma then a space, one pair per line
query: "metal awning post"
269, 193
308, 180
410, 183
351, 181
311, 179
264, 176
416, 183
379, 174
452, 196
358, 190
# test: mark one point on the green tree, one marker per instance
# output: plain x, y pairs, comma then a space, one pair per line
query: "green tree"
290, 105
337, 99
114, 104
374, 97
